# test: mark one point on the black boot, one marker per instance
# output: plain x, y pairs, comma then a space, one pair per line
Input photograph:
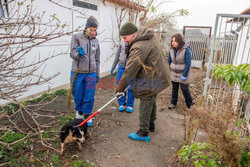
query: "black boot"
141, 133
86, 116
151, 127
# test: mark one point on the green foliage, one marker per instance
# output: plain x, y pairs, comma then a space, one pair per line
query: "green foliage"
234, 74
184, 12
11, 137
25, 103
78, 163
67, 118
56, 160
19, 3
244, 158
54, 17
47, 135
44, 97
61, 92
201, 154
10, 108
48, 96
153, 9
241, 122
42, 153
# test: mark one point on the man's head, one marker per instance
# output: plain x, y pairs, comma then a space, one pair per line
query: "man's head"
128, 32
91, 26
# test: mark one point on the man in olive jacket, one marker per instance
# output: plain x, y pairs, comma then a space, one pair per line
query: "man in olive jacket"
148, 73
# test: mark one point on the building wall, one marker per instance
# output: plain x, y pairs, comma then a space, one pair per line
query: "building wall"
107, 35
242, 54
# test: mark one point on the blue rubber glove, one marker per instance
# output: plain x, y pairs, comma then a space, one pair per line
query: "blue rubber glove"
97, 79
80, 50
183, 78
112, 70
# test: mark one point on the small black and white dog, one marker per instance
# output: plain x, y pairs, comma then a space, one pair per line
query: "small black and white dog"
70, 133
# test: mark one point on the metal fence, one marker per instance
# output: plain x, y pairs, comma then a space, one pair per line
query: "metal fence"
230, 44
201, 46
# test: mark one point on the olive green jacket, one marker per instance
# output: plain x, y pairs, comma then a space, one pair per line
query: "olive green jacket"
147, 69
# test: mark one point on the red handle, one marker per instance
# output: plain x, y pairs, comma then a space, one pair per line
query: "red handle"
86, 120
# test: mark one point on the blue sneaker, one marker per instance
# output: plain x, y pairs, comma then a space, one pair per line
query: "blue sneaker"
130, 109
89, 122
139, 137
121, 108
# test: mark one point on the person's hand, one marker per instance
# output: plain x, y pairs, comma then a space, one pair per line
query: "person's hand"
80, 50
111, 72
97, 79
119, 94
183, 78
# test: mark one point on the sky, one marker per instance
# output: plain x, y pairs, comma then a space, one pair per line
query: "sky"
203, 12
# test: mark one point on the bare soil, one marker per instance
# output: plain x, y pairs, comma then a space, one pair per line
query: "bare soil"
109, 145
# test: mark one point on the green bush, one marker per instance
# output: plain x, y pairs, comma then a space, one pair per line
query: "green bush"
67, 118
78, 163
201, 154
234, 74
11, 137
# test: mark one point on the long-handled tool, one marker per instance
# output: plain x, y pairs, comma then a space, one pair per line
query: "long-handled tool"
100, 109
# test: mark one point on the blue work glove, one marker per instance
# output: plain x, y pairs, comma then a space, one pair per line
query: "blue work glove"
97, 79
183, 78
112, 70
80, 50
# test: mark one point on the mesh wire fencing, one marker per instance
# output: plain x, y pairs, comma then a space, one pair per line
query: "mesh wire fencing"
230, 44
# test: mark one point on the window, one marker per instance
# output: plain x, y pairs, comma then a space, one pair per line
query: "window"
1, 9
4, 11
84, 5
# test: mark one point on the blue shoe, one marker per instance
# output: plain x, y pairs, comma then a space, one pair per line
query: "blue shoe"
89, 122
130, 109
121, 108
135, 136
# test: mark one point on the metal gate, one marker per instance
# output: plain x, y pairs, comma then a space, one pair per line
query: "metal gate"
199, 38
230, 45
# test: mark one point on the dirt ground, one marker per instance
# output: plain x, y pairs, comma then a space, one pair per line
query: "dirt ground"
109, 145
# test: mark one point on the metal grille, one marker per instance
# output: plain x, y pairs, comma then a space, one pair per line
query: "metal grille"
199, 40
230, 45
199, 46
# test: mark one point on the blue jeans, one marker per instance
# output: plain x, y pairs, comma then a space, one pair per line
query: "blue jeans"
84, 91
122, 100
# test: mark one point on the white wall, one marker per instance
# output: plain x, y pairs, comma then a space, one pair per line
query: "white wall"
242, 54
108, 37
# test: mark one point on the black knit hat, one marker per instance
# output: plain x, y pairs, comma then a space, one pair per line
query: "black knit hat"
91, 22
128, 29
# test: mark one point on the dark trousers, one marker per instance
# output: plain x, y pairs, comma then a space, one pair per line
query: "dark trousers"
147, 113
185, 91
